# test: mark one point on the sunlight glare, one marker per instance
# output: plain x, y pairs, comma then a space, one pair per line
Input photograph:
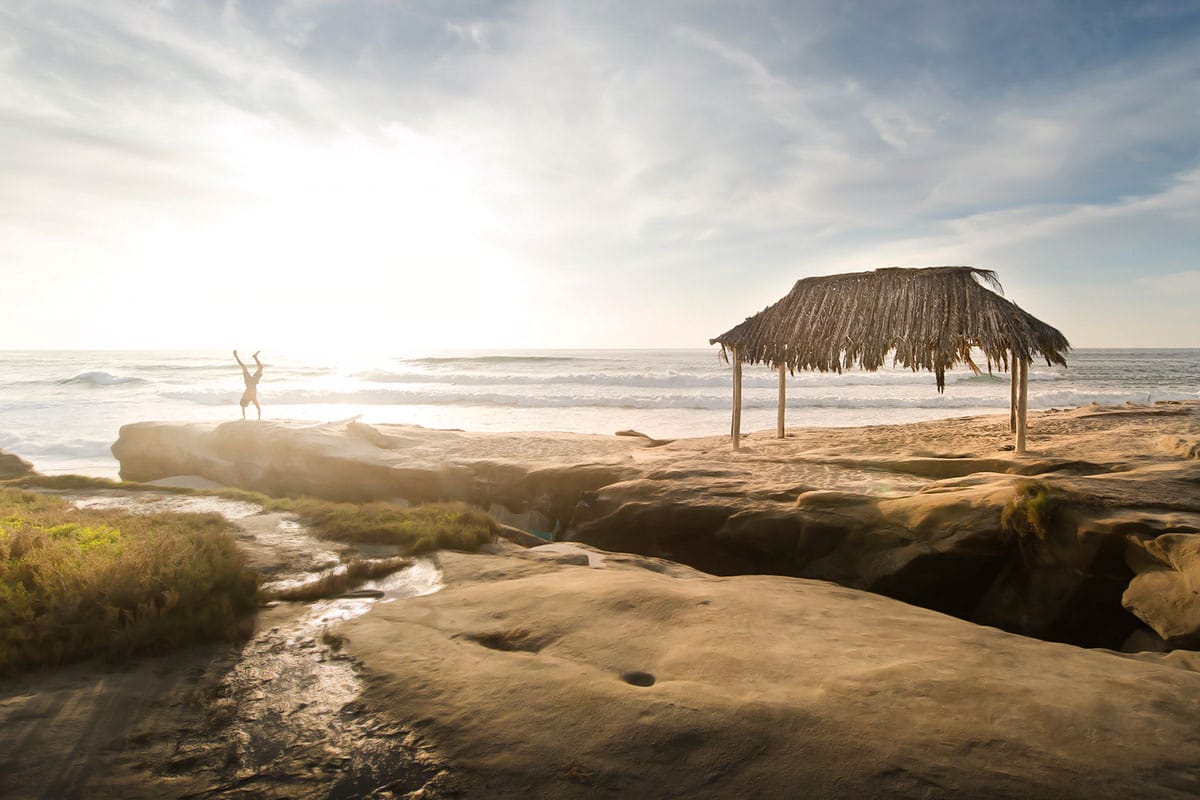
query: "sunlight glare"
391, 232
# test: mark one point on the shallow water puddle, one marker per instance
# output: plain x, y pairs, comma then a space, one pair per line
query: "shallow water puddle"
153, 502
291, 692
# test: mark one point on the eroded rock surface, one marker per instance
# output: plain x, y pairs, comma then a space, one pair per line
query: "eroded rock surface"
1165, 594
537, 478
937, 514
542, 679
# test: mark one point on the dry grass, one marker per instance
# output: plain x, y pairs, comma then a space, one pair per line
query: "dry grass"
69, 482
414, 529
1037, 509
81, 582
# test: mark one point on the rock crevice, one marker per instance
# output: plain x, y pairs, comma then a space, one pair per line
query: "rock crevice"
1091, 539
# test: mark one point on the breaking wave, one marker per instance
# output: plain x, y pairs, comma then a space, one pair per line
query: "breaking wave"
62, 410
97, 378
448, 360
35, 448
400, 397
685, 380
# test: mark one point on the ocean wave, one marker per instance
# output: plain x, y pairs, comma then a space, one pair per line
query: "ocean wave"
1039, 400
680, 380
9, 406
400, 397
446, 360
41, 451
204, 366
10, 442
35, 449
204, 397
549, 379
97, 378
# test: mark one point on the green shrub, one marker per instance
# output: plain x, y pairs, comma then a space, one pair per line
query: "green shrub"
1036, 510
415, 529
81, 582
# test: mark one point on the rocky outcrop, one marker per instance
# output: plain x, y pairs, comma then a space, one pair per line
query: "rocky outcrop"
534, 481
1165, 593
960, 547
536, 677
13, 466
935, 514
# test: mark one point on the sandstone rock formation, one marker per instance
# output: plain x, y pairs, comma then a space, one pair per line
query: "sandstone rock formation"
533, 678
1166, 590
937, 514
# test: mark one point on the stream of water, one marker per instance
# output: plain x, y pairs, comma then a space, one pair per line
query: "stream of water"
283, 716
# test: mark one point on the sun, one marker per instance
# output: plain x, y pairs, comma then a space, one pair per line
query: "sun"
383, 244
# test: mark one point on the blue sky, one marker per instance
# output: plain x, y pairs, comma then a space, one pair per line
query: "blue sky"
400, 175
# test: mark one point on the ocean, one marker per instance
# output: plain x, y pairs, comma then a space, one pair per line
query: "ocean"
62, 410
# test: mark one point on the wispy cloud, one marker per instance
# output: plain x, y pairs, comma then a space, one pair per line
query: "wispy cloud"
681, 163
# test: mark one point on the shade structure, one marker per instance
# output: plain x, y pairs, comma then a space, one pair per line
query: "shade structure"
929, 318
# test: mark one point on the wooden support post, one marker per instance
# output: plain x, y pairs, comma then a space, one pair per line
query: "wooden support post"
737, 400
1012, 394
1022, 405
779, 426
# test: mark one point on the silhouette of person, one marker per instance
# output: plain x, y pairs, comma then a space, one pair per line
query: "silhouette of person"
251, 394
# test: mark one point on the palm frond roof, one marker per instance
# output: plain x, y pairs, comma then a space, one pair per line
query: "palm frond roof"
930, 318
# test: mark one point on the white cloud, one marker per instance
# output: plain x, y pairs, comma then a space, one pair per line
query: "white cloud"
473, 32
672, 162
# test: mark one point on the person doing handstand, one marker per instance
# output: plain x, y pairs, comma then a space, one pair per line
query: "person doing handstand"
251, 394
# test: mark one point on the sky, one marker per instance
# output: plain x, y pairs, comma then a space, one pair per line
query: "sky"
412, 176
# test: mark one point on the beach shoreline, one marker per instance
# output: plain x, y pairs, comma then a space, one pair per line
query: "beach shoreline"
62, 411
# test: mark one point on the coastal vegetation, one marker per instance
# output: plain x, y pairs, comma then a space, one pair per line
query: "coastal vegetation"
413, 529
1037, 509
77, 582
69, 482
80, 582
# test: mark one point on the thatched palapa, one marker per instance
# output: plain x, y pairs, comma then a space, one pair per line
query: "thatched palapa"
930, 319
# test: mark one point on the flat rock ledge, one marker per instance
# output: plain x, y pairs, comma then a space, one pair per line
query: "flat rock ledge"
1092, 538
534, 677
